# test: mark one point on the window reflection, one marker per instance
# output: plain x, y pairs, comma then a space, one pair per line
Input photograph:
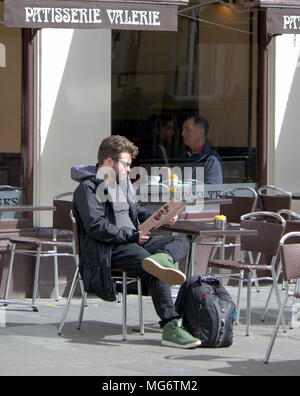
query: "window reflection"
208, 67
11, 161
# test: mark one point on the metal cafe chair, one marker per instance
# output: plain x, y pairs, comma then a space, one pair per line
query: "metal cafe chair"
265, 242
40, 247
292, 225
288, 214
290, 253
244, 200
273, 198
118, 277
241, 204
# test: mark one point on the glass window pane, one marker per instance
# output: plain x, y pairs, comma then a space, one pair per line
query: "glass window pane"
208, 67
11, 168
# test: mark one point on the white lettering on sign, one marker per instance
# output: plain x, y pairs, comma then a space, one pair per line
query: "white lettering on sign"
291, 22
62, 15
125, 17
91, 15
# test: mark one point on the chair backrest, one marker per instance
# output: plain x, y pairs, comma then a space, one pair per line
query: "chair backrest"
241, 204
270, 227
292, 226
288, 214
290, 254
272, 198
75, 232
61, 215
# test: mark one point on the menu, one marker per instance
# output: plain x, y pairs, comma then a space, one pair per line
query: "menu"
162, 216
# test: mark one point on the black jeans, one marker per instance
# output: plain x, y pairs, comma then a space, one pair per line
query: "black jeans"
129, 256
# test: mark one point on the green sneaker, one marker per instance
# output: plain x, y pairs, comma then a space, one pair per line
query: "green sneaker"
174, 335
161, 266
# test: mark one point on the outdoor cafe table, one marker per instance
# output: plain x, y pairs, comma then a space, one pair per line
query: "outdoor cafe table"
22, 208
197, 230
25, 208
205, 201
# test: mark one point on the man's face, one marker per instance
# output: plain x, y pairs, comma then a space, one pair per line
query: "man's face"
122, 166
193, 135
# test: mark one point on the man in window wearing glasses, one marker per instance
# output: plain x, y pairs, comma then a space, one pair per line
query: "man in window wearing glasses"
108, 219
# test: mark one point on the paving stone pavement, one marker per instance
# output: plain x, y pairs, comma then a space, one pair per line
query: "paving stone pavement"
30, 345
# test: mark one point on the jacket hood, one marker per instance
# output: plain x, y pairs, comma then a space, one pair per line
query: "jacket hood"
80, 173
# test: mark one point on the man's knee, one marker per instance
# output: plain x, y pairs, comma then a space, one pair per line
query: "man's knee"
184, 241
129, 256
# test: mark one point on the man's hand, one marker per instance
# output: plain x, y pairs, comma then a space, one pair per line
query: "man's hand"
172, 221
144, 237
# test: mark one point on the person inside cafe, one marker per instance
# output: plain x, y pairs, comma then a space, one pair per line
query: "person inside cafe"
157, 138
108, 217
201, 154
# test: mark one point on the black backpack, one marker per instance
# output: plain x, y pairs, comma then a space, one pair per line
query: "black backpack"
207, 311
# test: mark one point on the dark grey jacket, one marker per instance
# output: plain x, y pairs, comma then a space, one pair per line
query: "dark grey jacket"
98, 233
210, 160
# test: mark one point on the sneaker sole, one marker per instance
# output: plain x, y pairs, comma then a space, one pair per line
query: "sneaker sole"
188, 346
168, 275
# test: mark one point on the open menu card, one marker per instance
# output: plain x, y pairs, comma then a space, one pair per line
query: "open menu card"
162, 216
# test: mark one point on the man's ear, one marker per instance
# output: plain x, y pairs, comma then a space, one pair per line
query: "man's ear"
108, 162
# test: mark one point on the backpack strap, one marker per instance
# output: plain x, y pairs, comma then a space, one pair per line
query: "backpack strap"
182, 295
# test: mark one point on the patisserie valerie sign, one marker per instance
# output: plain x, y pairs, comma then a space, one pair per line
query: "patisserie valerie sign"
283, 21
87, 15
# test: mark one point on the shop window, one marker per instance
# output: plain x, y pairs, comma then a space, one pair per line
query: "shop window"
209, 67
11, 118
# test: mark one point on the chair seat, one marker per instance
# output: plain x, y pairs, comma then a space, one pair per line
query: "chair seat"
297, 295
232, 264
39, 242
116, 270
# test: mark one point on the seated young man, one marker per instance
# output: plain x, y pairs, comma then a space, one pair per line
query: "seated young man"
108, 217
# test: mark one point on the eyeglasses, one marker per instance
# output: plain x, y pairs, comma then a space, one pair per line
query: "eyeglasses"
124, 163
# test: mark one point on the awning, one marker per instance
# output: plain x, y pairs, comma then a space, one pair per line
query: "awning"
89, 14
283, 16
280, 3
283, 21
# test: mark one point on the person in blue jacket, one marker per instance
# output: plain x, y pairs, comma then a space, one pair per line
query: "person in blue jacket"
201, 154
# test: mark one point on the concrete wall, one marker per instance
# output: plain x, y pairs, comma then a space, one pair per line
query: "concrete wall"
284, 114
73, 76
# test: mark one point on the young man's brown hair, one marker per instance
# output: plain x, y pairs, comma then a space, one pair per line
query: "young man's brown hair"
113, 146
